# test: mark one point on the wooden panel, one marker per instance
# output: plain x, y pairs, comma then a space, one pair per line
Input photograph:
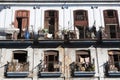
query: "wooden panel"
81, 23
51, 19
107, 31
118, 32
111, 20
24, 23
24, 15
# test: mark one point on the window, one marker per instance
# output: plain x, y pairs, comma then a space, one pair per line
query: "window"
113, 31
19, 62
83, 61
18, 67
51, 13
51, 59
111, 24
81, 22
114, 60
21, 21
111, 13
83, 56
21, 57
51, 22
83, 32
80, 15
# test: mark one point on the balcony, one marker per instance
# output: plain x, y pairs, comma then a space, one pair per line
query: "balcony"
13, 34
113, 70
82, 70
44, 35
17, 70
60, 38
51, 70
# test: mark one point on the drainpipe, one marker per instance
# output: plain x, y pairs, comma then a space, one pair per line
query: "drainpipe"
64, 62
33, 65
97, 61
93, 8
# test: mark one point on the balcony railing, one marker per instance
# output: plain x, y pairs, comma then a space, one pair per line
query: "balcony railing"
82, 69
60, 35
17, 69
113, 70
50, 70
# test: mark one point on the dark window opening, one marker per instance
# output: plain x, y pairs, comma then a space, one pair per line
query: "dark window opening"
51, 63
51, 13
19, 62
51, 60
51, 22
110, 13
83, 32
113, 31
80, 15
19, 20
21, 57
83, 61
51, 25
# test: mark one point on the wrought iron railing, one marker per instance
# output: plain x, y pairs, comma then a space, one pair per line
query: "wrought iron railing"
17, 67
113, 67
83, 66
59, 35
82, 69
50, 67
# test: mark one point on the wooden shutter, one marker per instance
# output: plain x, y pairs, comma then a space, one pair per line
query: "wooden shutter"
105, 14
56, 23
24, 14
46, 17
24, 23
81, 22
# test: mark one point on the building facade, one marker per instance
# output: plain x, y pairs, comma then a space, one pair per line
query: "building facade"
59, 40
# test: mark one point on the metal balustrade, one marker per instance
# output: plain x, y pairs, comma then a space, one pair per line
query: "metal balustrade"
59, 35
113, 69
14, 69
82, 69
51, 69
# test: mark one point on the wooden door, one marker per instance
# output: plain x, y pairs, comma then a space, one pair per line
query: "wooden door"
21, 21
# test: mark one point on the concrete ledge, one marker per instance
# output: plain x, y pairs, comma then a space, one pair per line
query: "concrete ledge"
49, 74
17, 74
83, 74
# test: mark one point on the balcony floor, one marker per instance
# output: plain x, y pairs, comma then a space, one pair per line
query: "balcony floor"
84, 74
17, 74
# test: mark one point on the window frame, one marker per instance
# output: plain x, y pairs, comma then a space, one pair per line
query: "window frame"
111, 58
55, 61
